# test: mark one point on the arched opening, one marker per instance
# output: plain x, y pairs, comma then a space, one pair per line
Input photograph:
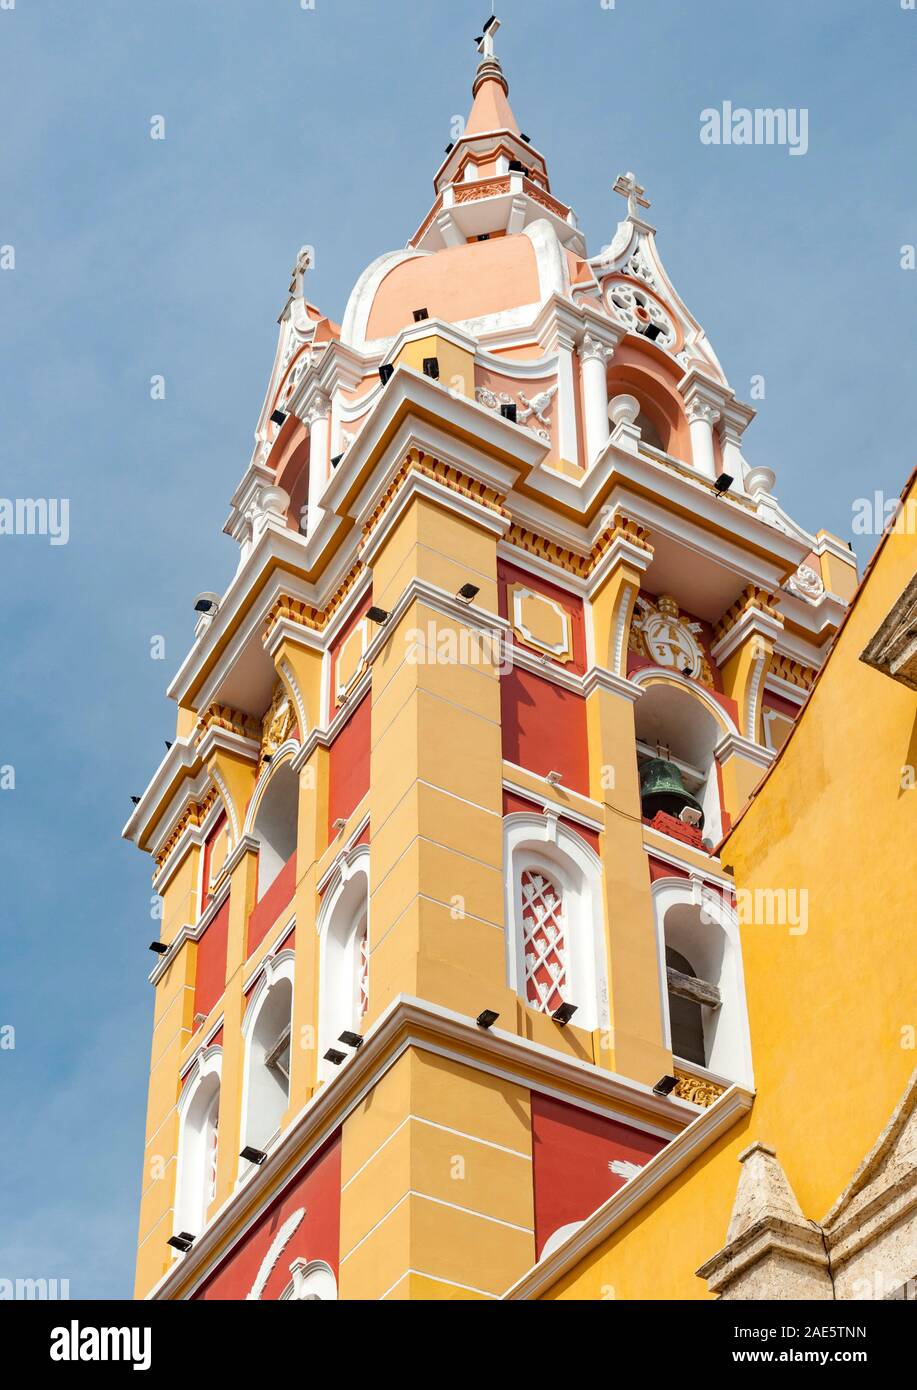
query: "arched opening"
673, 722
268, 1055
198, 1143
275, 825
662, 420
686, 1018
345, 961
556, 945
701, 978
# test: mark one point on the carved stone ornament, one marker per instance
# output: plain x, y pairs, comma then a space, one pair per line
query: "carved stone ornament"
659, 632
278, 723
805, 583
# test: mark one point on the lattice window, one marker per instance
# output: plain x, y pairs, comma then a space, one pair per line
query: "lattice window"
543, 941
212, 1153
363, 986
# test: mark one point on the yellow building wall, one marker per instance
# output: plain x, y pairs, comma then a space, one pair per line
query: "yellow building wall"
831, 1007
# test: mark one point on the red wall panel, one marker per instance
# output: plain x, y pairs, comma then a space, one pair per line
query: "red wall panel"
348, 764
316, 1191
210, 973
265, 913
571, 1151
544, 728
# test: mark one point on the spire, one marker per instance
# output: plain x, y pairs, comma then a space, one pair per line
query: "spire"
490, 89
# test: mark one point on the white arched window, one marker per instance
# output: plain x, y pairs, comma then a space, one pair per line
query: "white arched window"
343, 927
701, 980
274, 824
266, 1030
555, 919
198, 1142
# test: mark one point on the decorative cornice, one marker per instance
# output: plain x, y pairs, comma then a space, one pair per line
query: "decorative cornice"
751, 600
621, 530
193, 815
793, 672
446, 475
697, 1089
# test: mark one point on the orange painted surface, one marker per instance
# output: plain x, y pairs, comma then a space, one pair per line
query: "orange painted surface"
462, 282
210, 974
511, 574
544, 728
316, 1192
348, 772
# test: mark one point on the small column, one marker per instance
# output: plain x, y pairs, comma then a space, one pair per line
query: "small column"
702, 417
319, 421
564, 344
594, 358
735, 420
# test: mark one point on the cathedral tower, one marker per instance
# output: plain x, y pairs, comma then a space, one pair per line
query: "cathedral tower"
448, 953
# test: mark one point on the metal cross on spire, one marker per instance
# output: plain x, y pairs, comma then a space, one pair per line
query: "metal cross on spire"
304, 262
628, 187
485, 42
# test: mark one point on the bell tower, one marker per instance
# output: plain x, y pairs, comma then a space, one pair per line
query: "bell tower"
513, 632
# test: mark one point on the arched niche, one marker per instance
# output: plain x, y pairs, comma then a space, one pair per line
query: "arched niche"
273, 822
684, 723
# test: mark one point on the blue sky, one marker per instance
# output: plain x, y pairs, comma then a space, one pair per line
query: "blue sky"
136, 257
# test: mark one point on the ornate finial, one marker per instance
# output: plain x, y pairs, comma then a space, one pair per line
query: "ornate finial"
485, 42
627, 185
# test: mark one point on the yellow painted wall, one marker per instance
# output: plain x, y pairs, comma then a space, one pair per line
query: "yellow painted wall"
830, 1009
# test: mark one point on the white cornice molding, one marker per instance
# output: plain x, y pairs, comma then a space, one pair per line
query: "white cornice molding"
641, 1189
548, 799
413, 1023
735, 745
753, 622
181, 757
219, 740
600, 678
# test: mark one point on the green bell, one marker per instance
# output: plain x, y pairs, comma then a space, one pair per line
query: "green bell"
661, 789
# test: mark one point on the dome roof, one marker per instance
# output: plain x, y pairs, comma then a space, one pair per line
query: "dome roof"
456, 284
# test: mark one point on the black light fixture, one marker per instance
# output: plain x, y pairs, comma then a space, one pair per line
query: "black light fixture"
279, 417
420, 315
167, 743
468, 592
723, 484
563, 1014
508, 411
516, 166
204, 605
351, 1039
450, 147
526, 138
332, 1055
183, 1241
386, 372
253, 1155
377, 615
336, 460
431, 368
487, 1018
665, 1085
268, 758
159, 947
484, 236
136, 800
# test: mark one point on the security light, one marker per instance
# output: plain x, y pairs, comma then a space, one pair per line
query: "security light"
431, 368
563, 1014
487, 1018
200, 1018
332, 1055
723, 484
508, 412
182, 1242
336, 460
516, 166
253, 1155
526, 138
377, 615
351, 1039
450, 147
554, 779
484, 236
204, 605
279, 417
665, 1085
339, 824
468, 592
168, 743
420, 315
160, 948
386, 372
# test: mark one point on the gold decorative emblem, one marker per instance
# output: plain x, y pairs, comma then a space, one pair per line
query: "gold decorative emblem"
696, 1090
659, 632
278, 723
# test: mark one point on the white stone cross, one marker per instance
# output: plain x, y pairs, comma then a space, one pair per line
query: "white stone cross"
486, 41
298, 273
627, 185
